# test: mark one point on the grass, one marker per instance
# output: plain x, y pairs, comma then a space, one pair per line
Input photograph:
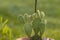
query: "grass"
52, 29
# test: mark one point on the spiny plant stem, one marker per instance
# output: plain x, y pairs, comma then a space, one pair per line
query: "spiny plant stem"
35, 6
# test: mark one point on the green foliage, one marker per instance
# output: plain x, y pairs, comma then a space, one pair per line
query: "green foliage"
25, 17
27, 24
36, 20
50, 7
28, 29
43, 26
36, 25
6, 32
39, 23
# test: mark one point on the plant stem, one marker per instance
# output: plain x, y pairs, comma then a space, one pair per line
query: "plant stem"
35, 6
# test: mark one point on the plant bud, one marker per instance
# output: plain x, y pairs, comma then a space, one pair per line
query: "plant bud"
42, 14
38, 13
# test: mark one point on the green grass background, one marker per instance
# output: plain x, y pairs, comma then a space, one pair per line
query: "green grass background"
11, 9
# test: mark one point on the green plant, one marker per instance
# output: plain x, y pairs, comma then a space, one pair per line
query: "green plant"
36, 22
6, 32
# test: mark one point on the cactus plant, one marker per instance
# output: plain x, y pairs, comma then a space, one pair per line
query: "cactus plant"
37, 24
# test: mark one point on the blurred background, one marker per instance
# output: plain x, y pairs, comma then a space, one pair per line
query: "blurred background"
11, 9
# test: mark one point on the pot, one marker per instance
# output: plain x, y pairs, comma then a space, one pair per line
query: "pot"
29, 39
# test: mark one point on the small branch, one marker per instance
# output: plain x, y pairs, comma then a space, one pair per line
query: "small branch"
35, 6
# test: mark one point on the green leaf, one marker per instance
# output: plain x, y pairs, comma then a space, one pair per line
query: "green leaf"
36, 25
5, 22
5, 29
26, 18
0, 19
28, 29
42, 27
34, 15
21, 19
